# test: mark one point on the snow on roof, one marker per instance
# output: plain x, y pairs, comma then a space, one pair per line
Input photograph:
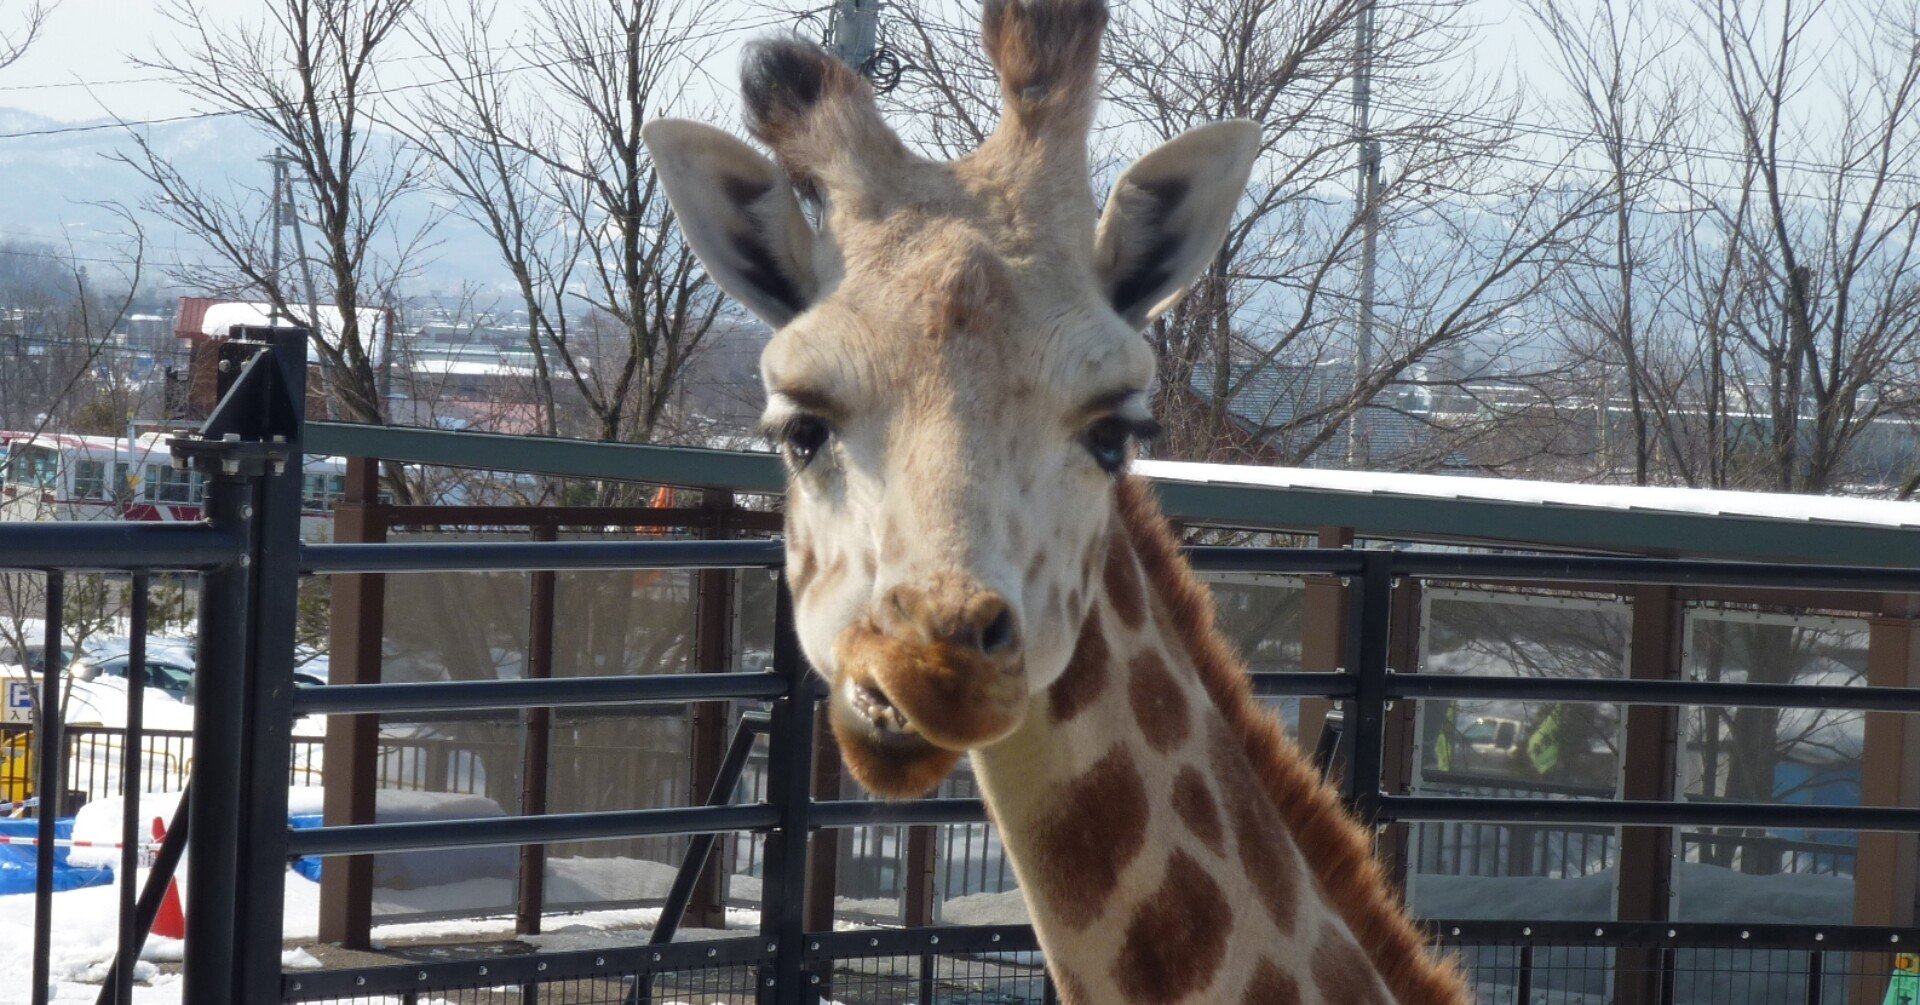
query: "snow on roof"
470, 368
1616, 498
207, 316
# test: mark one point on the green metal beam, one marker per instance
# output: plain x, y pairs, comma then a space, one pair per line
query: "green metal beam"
714, 469
1371, 514
1540, 525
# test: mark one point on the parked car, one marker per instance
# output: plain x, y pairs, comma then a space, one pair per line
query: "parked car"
162, 673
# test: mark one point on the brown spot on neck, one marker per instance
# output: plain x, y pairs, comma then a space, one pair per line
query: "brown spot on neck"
1097, 825
1123, 581
1337, 850
1194, 803
1159, 703
1266, 852
1271, 986
1175, 944
1086, 674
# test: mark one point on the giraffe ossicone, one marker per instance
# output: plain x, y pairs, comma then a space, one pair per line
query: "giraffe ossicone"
956, 379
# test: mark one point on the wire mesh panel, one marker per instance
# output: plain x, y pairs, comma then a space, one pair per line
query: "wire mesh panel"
947, 966
725, 972
1561, 964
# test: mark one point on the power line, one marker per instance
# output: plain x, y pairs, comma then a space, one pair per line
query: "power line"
174, 78
1517, 125
731, 28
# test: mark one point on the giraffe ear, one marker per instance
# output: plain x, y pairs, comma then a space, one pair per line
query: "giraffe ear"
1167, 215
738, 211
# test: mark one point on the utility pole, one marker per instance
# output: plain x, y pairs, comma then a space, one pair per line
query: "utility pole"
1366, 195
854, 34
286, 214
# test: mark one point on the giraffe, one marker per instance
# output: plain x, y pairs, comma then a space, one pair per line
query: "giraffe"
957, 381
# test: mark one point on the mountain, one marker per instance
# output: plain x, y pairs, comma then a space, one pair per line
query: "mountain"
50, 183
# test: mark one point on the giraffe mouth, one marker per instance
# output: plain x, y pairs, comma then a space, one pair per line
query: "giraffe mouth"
888, 723
906, 712
880, 745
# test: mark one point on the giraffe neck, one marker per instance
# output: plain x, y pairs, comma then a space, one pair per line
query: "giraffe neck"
1145, 806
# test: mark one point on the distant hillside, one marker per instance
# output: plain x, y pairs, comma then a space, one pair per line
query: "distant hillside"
48, 183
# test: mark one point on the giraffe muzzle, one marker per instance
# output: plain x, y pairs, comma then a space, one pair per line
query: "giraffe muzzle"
905, 711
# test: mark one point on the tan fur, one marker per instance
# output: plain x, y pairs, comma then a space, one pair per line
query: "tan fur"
1047, 56
1336, 848
955, 345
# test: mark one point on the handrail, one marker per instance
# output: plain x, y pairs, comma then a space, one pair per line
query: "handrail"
558, 692
431, 835
538, 556
115, 546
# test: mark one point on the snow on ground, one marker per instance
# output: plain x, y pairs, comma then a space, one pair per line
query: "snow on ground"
85, 923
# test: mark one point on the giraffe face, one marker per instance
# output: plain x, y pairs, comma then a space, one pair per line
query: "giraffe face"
956, 375
952, 424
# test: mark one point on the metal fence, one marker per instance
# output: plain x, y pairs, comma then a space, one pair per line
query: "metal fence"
250, 559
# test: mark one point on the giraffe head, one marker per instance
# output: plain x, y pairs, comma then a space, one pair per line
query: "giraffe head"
957, 373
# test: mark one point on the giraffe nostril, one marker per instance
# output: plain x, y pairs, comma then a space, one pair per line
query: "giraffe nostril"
997, 636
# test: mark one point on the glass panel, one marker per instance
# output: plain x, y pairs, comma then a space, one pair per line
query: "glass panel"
451, 626
90, 480
634, 757
1796, 756
168, 484
37, 467
1517, 749
313, 492
1261, 616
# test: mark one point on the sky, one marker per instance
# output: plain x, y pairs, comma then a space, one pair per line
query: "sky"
94, 41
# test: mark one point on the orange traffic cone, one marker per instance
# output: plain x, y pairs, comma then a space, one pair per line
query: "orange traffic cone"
171, 922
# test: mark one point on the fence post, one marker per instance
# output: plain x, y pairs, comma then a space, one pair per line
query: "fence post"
267, 750
1323, 635
218, 726
49, 756
789, 770
1401, 724
1888, 777
248, 450
537, 745
1367, 645
352, 749
714, 644
1651, 733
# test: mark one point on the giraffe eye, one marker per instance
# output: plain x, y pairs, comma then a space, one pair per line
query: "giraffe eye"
802, 437
1107, 441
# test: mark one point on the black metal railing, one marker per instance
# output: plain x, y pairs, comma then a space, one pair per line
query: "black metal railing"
249, 559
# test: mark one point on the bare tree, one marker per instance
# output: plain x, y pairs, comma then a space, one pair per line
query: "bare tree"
551, 166
1256, 362
23, 30
306, 78
1815, 273
1264, 350
468, 130
1613, 57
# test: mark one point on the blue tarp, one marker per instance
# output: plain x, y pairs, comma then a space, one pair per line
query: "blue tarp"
309, 866
17, 860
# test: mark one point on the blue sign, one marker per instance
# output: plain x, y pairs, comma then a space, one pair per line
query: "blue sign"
19, 701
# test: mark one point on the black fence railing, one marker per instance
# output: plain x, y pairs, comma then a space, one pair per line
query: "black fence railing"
250, 559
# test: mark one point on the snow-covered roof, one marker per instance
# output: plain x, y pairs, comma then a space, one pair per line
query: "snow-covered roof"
1545, 515
1619, 498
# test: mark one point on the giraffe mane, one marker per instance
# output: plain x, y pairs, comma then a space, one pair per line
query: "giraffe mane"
1335, 845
